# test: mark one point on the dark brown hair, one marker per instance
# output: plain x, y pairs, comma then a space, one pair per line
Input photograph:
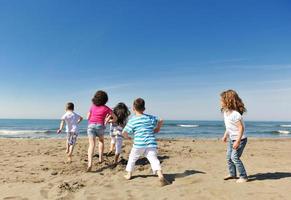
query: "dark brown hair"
122, 113
139, 105
232, 101
70, 106
100, 98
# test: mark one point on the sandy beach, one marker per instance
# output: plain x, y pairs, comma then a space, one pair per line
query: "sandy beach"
36, 169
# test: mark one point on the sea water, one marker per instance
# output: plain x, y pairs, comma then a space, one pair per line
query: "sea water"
40, 128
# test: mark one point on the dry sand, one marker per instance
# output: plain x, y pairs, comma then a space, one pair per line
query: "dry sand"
36, 169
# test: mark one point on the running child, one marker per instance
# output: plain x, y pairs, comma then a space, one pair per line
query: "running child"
72, 120
143, 127
96, 119
122, 113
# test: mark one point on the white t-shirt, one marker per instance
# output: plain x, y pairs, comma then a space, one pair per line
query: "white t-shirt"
230, 120
71, 119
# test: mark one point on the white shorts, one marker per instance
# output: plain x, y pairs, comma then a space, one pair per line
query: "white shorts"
149, 153
118, 144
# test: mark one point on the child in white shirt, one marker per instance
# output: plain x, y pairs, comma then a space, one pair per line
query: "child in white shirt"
233, 109
72, 121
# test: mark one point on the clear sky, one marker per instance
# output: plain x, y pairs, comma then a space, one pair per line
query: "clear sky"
177, 55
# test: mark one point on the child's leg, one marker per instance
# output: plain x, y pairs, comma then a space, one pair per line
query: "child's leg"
101, 148
92, 143
112, 143
72, 139
118, 148
151, 155
67, 147
68, 143
235, 156
71, 148
133, 157
230, 164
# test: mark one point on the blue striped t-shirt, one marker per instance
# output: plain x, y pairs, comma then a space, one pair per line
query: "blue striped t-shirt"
143, 129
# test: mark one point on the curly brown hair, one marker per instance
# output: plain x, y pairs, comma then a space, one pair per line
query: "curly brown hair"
100, 98
231, 101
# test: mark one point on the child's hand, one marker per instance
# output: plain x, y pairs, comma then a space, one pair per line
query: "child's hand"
156, 130
59, 131
224, 139
129, 138
236, 145
108, 119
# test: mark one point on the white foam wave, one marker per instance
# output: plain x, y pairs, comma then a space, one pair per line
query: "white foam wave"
283, 132
20, 132
286, 125
188, 125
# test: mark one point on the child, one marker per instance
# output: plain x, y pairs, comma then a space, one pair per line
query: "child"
121, 112
96, 118
144, 128
233, 109
72, 121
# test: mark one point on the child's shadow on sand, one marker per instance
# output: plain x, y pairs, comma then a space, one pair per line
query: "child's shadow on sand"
269, 176
172, 177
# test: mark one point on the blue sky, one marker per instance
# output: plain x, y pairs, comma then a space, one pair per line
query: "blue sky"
177, 55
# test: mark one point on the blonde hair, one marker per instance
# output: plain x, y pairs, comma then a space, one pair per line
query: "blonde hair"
232, 101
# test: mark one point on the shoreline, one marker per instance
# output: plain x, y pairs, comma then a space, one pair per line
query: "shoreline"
158, 139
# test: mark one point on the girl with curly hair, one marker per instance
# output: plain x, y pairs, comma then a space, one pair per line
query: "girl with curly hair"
233, 108
96, 119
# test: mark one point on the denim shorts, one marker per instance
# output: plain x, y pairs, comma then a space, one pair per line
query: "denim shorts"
95, 130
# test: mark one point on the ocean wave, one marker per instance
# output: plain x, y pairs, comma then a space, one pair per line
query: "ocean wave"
286, 125
20, 132
282, 132
188, 125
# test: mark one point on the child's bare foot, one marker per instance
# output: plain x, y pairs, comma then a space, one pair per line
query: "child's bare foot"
127, 176
242, 180
101, 161
164, 181
69, 159
110, 153
89, 169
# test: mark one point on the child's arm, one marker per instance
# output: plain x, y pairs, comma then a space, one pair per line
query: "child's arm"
88, 115
225, 136
79, 120
125, 135
241, 130
114, 118
159, 125
108, 119
61, 127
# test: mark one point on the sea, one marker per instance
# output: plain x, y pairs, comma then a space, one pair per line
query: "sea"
176, 129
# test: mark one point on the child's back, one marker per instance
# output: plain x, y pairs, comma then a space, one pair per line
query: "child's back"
143, 129
98, 114
72, 121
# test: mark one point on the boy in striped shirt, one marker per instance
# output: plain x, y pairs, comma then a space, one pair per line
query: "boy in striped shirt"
144, 128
